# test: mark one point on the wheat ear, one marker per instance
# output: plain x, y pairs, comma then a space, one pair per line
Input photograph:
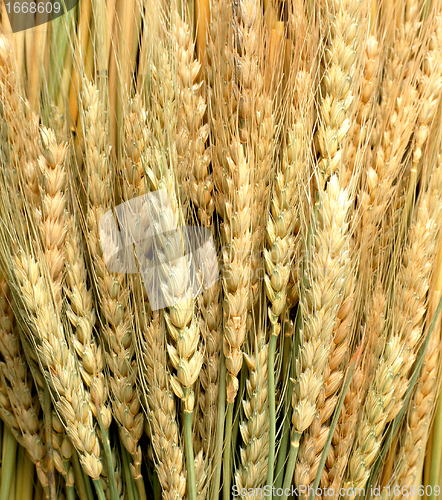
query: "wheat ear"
81, 315
162, 411
20, 125
416, 427
346, 428
228, 190
313, 440
192, 133
113, 294
414, 281
390, 380
197, 185
327, 267
396, 114
339, 85
254, 427
57, 360
19, 385
430, 90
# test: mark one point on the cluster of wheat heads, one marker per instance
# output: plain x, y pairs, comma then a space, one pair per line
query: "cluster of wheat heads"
297, 352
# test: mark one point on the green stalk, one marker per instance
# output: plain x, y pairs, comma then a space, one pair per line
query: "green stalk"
285, 434
48, 435
27, 487
436, 455
227, 457
348, 379
9, 457
70, 493
38, 493
139, 483
272, 406
19, 474
214, 493
190, 461
156, 487
282, 452
237, 410
127, 473
80, 479
293, 455
99, 489
108, 455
